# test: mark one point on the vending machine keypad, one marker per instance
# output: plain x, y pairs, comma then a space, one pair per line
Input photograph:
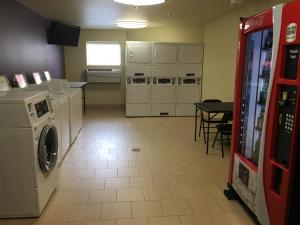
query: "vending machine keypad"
289, 123
286, 121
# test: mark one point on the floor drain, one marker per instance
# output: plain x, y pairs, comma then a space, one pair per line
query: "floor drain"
136, 150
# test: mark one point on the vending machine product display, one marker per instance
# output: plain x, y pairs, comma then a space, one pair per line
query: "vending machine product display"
265, 166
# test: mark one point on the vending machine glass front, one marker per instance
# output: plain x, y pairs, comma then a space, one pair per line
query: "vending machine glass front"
257, 68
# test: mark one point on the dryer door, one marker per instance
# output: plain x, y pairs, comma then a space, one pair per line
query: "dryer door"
48, 148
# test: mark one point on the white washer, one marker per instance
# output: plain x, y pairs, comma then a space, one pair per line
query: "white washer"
29, 146
60, 102
62, 122
61, 86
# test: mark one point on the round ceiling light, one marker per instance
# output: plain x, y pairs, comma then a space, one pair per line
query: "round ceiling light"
140, 2
131, 24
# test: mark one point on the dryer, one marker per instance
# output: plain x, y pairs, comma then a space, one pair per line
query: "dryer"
164, 90
29, 147
189, 89
138, 90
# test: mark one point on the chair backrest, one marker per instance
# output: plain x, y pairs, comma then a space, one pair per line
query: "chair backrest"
227, 116
211, 100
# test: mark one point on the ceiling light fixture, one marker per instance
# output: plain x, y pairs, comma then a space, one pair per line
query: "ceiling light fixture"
140, 2
131, 24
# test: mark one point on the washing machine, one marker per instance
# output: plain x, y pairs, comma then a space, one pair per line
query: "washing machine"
60, 102
61, 86
29, 148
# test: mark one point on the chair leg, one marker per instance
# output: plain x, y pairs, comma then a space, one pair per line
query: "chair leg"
222, 144
204, 136
201, 122
215, 139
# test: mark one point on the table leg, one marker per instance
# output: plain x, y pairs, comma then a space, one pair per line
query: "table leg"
196, 123
207, 140
201, 122
84, 109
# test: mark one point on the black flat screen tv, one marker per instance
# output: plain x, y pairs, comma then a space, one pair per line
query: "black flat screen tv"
63, 34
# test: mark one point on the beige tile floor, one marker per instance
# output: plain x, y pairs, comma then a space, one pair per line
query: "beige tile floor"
170, 182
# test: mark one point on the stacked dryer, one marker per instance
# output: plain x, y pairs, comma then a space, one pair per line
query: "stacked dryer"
163, 79
190, 61
138, 79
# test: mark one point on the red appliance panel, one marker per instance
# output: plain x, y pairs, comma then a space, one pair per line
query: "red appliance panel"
283, 120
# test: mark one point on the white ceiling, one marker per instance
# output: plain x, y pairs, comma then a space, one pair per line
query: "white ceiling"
102, 13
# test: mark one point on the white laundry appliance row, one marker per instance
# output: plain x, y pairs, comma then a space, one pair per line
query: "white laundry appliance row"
37, 126
66, 104
29, 150
163, 79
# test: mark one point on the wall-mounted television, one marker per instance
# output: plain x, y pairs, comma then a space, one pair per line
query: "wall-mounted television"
63, 34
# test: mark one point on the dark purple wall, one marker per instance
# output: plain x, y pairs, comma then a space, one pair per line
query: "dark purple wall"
23, 42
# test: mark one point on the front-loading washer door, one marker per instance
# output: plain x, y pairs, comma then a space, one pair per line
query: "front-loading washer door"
48, 149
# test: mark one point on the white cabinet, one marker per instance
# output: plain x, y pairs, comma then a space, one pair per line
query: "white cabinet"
138, 52
190, 53
164, 53
75, 113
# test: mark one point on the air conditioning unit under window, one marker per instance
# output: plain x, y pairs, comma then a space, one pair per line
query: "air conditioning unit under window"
103, 75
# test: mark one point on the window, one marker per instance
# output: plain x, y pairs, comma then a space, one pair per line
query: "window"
103, 54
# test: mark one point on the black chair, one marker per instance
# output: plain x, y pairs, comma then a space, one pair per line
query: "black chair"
224, 129
214, 119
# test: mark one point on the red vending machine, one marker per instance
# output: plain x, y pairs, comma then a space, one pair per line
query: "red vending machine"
265, 161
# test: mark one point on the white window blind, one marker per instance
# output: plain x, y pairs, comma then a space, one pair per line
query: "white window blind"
103, 54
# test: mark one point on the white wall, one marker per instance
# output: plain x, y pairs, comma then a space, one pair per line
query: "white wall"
75, 62
75, 58
221, 39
